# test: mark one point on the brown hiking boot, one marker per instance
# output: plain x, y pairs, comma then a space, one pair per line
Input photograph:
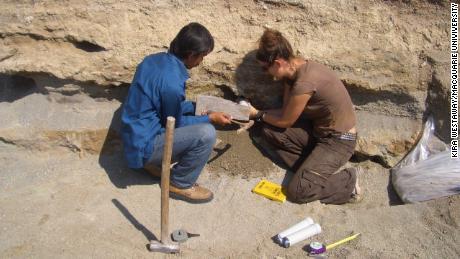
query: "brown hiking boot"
153, 170
194, 194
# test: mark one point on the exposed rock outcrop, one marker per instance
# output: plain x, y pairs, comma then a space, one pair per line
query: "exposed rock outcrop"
67, 65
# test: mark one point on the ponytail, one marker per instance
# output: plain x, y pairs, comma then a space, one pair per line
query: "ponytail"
273, 45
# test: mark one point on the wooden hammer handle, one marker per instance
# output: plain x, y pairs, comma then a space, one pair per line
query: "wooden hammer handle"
238, 122
165, 174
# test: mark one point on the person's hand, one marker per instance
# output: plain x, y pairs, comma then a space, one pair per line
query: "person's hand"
220, 118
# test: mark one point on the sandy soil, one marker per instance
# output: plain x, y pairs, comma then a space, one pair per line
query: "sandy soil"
239, 155
95, 207
59, 201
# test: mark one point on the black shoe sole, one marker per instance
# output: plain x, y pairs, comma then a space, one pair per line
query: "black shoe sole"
176, 196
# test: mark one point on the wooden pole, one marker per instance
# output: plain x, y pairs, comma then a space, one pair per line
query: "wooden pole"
165, 173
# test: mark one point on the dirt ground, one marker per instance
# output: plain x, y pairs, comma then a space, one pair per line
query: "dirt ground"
94, 207
239, 155
65, 71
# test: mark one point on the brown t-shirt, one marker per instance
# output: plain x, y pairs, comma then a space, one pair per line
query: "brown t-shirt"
330, 107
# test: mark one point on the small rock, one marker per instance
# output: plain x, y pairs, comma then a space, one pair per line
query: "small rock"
28, 19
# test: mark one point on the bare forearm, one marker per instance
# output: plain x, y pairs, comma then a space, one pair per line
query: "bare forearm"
275, 118
286, 117
275, 112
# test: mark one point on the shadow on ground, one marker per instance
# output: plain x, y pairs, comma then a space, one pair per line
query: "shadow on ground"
139, 226
112, 161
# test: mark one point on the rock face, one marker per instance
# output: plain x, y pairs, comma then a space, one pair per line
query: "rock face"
65, 68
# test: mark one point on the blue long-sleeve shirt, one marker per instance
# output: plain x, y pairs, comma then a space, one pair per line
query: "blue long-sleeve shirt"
157, 91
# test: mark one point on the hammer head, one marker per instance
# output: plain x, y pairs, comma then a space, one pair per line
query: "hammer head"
156, 246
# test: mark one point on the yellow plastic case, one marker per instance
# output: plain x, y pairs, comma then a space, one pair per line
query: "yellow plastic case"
270, 190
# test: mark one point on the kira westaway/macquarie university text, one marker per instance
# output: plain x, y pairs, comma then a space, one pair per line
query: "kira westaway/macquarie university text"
454, 80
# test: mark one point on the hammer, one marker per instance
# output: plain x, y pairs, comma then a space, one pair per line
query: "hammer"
165, 245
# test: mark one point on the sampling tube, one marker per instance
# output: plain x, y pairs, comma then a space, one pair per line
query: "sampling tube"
302, 224
301, 235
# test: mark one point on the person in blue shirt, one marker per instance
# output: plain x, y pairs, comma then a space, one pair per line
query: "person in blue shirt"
158, 91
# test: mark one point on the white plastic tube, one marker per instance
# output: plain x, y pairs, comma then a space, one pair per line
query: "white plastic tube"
301, 235
301, 225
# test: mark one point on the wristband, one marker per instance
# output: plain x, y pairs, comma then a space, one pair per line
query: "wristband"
259, 116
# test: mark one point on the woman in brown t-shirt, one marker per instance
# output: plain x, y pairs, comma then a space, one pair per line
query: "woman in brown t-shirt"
314, 132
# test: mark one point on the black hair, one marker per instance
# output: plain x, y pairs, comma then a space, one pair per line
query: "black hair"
192, 39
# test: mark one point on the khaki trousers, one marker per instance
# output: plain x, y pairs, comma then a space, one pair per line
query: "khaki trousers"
316, 163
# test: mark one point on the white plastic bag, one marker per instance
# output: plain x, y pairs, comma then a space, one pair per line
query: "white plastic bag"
427, 172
